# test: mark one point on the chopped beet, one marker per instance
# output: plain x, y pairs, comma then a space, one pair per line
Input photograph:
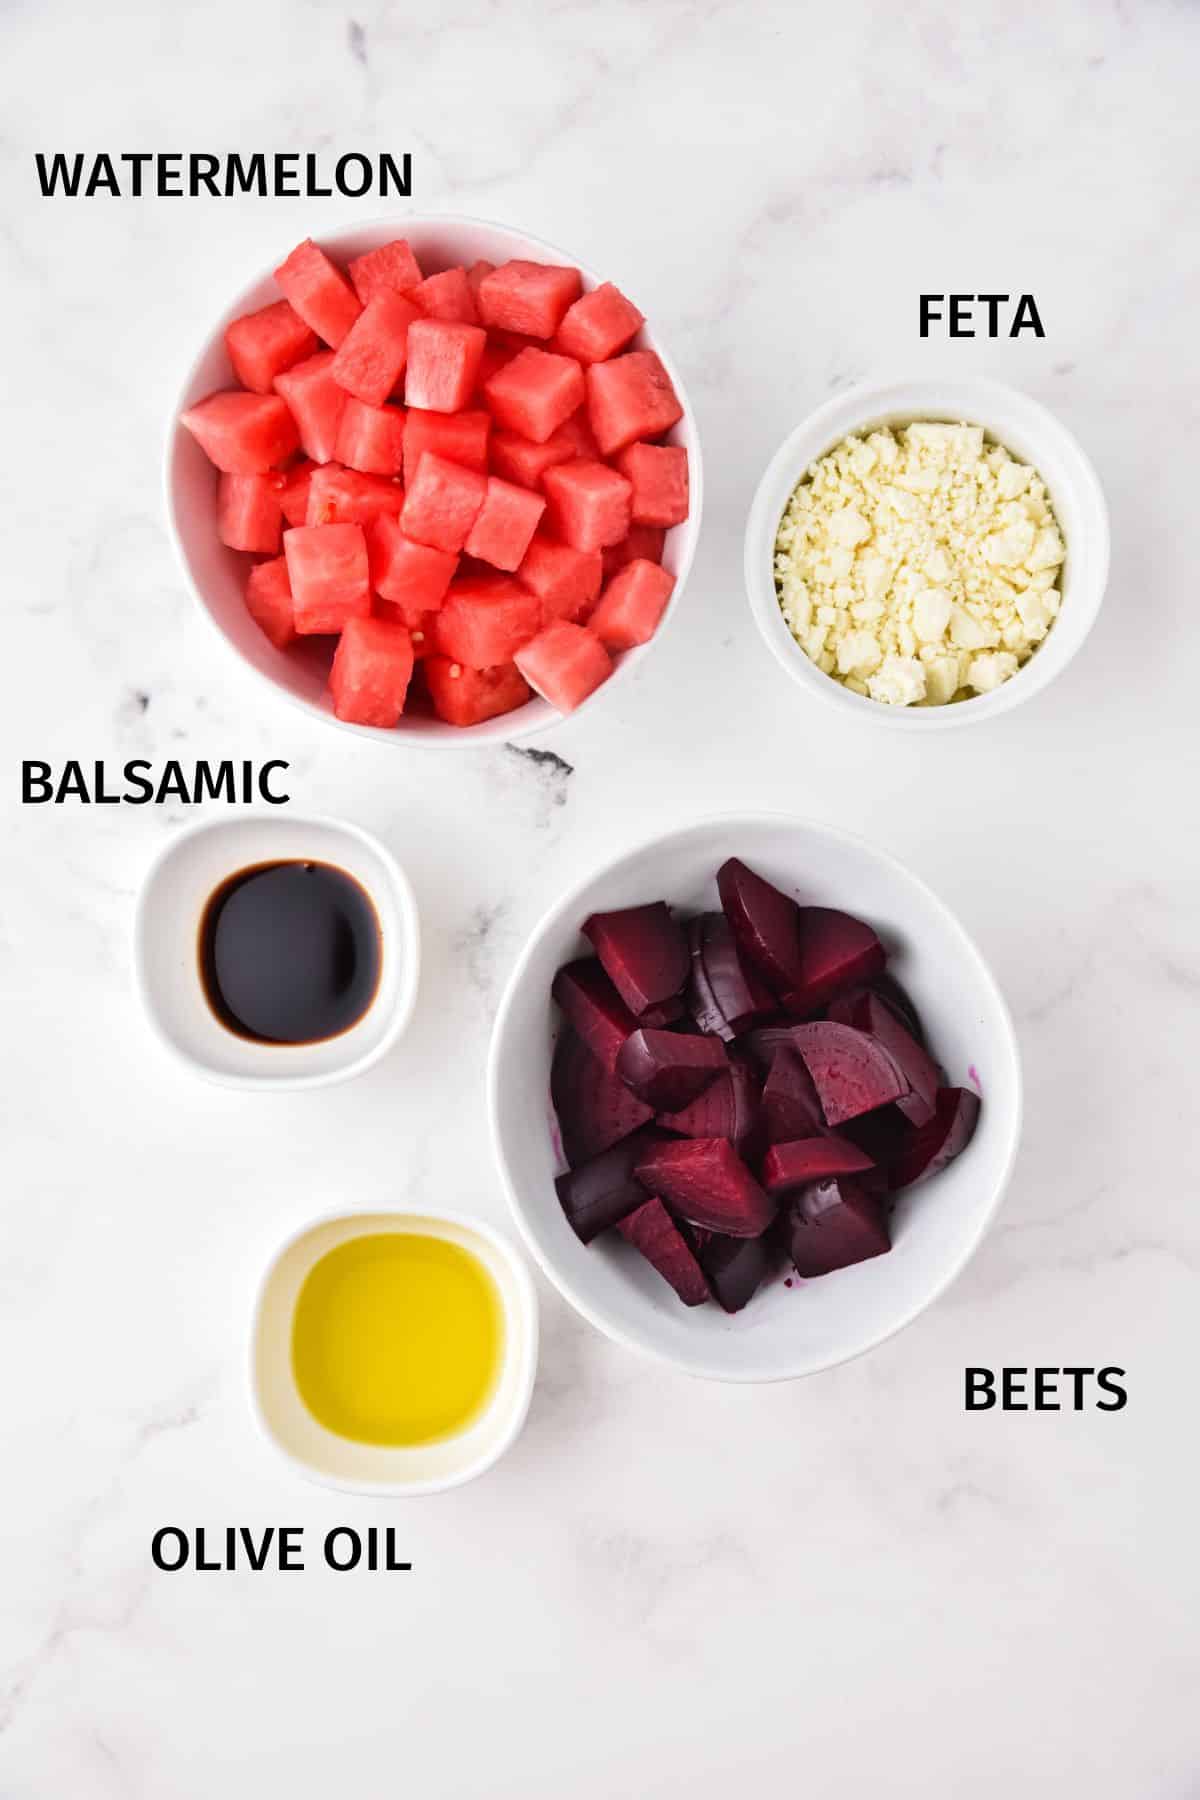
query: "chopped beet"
653, 1231
790, 1106
723, 994
644, 954
766, 925
933, 1145
835, 949
727, 1109
790, 1166
832, 1224
594, 1008
851, 1072
602, 1190
868, 1012
595, 1109
668, 1069
735, 1267
706, 1182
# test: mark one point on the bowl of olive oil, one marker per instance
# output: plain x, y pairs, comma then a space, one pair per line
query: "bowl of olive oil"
394, 1353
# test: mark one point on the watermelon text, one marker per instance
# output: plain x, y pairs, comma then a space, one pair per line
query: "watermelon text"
178, 175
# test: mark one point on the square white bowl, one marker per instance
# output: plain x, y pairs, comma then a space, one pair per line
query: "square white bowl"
174, 893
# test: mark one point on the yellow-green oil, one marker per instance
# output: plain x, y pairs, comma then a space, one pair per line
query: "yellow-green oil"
397, 1338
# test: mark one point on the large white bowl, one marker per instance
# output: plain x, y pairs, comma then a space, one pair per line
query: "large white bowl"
217, 575
1008, 417
785, 1331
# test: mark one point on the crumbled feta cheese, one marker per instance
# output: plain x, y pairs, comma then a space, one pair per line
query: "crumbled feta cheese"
919, 565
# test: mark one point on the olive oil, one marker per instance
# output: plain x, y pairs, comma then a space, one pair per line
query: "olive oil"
397, 1338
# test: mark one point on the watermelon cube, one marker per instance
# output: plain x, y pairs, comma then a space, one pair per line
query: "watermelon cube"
564, 663
630, 397
631, 605
519, 459
375, 349
658, 475
565, 580
642, 540
319, 292
476, 273
447, 295
529, 297
484, 619
338, 496
392, 268
243, 434
598, 325
327, 569
443, 364
441, 503
464, 696
315, 401
250, 513
293, 494
459, 437
262, 344
371, 671
269, 600
371, 438
588, 503
411, 576
503, 525
535, 393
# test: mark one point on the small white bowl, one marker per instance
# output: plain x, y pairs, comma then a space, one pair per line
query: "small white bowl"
783, 1332
339, 1462
217, 575
1008, 417
176, 888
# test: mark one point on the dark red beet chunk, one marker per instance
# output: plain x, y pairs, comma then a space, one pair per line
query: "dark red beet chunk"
932, 1146
851, 1072
594, 1108
594, 1007
790, 1108
723, 995
705, 1181
668, 1069
832, 1224
645, 955
653, 1231
835, 949
868, 1012
727, 1109
766, 925
600, 1192
735, 1267
790, 1166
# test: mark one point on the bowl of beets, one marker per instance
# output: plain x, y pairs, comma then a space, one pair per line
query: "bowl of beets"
434, 480
755, 1097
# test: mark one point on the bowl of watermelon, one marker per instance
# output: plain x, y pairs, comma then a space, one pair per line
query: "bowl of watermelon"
755, 1097
434, 481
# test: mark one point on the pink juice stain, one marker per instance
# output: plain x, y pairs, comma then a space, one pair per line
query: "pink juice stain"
973, 1078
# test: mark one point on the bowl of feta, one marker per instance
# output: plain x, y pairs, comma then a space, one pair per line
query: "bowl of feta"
927, 553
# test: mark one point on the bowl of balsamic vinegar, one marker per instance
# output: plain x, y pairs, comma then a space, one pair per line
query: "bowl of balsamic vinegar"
277, 952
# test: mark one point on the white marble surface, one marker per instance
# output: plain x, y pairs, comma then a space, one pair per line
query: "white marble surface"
846, 1586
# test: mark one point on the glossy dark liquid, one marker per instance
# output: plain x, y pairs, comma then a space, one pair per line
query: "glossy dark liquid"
289, 952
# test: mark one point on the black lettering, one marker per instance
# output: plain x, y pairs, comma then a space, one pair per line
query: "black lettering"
158, 1551
100, 793
980, 1382
1077, 1376
1115, 1388
264, 783
172, 785
1027, 318
59, 171
202, 172
136, 159
202, 1562
391, 1551
286, 170
207, 787
1013, 1385
390, 175
143, 789
291, 1547
247, 178
103, 175
994, 303
928, 315
348, 1532
170, 168
1045, 1390
35, 775
71, 785
256, 1554
310, 180
959, 314
364, 169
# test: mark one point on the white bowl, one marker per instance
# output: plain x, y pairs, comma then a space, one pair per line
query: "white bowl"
339, 1462
1008, 417
217, 575
812, 1325
170, 907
